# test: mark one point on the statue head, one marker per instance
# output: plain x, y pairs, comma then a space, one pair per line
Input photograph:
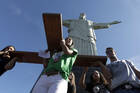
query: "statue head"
82, 16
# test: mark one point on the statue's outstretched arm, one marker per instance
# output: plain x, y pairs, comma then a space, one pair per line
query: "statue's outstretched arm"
115, 22
67, 23
104, 25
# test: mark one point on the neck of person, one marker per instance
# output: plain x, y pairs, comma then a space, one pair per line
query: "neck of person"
112, 59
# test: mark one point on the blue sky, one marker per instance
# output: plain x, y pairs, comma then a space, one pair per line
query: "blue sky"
21, 25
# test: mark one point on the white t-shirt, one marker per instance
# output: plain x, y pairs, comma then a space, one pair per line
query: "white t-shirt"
122, 73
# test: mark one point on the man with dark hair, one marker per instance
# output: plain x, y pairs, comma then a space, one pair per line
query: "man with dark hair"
125, 76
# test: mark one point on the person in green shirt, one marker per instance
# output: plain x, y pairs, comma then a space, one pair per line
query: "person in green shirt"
55, 76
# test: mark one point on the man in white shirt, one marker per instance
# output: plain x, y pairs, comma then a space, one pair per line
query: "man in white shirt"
125, 76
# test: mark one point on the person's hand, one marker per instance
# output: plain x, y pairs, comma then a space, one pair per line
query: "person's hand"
98, 64
44, 54
85, 69
62, 42
1, 52
6, 52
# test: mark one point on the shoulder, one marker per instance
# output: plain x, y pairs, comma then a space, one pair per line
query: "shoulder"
115, 63
129, 62
75, 51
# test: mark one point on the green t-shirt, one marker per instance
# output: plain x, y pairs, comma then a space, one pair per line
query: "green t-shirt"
63, 65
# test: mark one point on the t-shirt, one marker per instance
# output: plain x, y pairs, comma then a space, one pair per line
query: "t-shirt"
122, 73
98, 88
63, 64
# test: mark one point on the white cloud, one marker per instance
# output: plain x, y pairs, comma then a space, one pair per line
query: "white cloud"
15, 9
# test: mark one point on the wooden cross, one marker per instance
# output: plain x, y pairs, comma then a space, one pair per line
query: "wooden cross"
53, 30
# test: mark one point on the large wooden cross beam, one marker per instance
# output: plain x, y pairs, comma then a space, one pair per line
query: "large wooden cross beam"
53, 30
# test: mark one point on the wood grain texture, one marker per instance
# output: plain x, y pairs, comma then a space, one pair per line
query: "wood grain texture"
81, 60
53, 30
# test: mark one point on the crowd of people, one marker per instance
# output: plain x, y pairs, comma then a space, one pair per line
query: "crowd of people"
120, 76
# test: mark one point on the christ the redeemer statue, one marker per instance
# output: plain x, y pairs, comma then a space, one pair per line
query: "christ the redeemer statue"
82, 32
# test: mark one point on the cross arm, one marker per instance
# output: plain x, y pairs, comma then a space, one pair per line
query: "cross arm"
82, 60
86, 60
28, 57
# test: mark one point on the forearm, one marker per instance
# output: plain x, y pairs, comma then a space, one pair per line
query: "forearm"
82, 80
1, 52
74, 88
66, 50
107, 74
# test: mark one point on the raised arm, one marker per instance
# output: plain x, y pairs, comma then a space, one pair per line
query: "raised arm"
65, 48
82, 79
104, 25
73, 82
107, 74
1, 52
4, 52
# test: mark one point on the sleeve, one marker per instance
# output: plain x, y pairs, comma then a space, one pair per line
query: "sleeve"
132, 64
75, 52
44, 54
